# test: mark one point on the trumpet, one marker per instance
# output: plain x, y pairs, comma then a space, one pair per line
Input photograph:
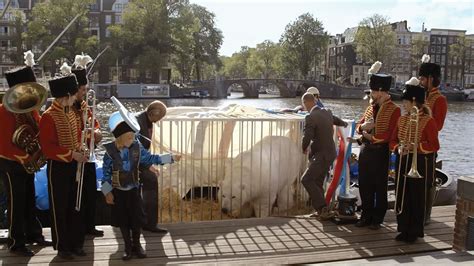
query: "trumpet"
413, 172
87, 148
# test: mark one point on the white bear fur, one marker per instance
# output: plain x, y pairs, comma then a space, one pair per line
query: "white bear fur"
244, 193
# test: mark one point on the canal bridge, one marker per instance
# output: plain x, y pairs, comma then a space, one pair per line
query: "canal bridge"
287, 88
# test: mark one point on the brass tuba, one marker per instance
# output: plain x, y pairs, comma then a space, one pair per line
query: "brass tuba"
21, 100
413, 173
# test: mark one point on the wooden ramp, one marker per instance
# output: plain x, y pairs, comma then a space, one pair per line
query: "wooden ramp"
279, 240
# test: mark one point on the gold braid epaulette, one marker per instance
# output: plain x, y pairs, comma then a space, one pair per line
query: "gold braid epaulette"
384, 115
66, 126
79, 113
404, 130
433, 97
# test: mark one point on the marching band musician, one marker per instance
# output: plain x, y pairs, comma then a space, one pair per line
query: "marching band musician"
430, 79
90, 180
59, 137
16, 175
411, 192
376, 127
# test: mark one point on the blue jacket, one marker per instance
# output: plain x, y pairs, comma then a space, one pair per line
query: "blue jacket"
145, 159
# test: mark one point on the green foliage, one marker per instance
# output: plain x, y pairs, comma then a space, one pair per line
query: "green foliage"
261, 61
375, 40
419, 46
49, 18
304, 42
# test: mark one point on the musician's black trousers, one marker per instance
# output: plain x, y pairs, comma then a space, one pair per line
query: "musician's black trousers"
411, 194
67, 226
20, 189
89, 196
150, 196
373, 179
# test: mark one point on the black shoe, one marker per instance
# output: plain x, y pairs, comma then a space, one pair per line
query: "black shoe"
375, 226
362, 223
66, 255
22, 251
79, 252
41, 241
401, 237
127, 254
139, 251
411, 239
155, 229
95, 232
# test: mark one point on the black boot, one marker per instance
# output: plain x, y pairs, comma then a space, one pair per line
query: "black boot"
137, 247
430, 197
127, 253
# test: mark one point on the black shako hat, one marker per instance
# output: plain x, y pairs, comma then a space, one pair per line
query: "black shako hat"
121, 129
429, 69
411, 92
380, 82
20, 75
63, 86
81, 76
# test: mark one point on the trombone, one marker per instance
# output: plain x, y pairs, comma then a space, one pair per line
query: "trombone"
87, 148
413, 173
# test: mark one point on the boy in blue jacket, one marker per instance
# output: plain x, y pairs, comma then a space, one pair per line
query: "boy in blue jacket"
121, 184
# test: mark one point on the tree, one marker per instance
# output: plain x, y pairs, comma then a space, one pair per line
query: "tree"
236, 65
144, 38
49, 18
457, 55
183, 27
303, 42
261, 61
18, 40
375, 40
207, 39
419, 47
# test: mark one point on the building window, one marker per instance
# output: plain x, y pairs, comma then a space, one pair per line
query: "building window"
107, 33
95, 33
108, 19
94, 22
4, 45
118, 19
94, 7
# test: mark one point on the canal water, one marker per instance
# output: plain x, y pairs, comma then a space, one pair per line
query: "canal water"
456, 138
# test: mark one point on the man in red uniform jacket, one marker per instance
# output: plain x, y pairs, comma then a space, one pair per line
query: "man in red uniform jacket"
430, 78
90, 179
60, 136
17, 177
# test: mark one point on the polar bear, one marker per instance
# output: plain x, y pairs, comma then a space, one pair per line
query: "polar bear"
262, 178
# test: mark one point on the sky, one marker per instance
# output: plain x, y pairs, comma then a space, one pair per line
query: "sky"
249, 22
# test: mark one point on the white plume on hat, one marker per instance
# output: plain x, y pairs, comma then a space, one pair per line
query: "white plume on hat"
425, 59
413, 82
29, 58
374, 69
65, 69
81, 61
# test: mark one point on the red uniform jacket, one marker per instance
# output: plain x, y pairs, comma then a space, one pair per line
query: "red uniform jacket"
427, 134
438, 105
385, 118
8, 150
59, 133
